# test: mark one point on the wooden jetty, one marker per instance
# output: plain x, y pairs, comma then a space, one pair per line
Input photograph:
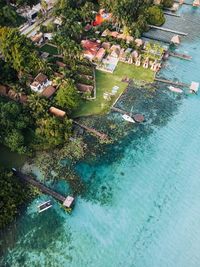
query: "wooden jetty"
171, 82
120, 111
181, 56
171, 14
137, 117
102, 136
44, 189
168, 30
184, 3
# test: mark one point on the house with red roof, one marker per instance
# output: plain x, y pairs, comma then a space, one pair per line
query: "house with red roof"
90, 49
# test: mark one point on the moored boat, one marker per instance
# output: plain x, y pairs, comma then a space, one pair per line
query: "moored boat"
44, 206
175, 89
128, 118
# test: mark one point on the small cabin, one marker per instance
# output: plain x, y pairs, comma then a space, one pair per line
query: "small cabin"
69, 202
196, 3
194, 87
176, 40
57, 112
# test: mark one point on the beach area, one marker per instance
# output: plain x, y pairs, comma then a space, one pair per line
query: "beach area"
140, 206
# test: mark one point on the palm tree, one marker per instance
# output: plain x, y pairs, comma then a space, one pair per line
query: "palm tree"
37, 105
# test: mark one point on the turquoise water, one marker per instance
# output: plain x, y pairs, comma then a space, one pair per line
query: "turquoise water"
141, 207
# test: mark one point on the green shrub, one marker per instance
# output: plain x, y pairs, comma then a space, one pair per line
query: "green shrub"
155, 15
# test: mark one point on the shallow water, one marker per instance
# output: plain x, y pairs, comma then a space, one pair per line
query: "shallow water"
141, 207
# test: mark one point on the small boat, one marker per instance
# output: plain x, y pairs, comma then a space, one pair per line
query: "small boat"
175, 89
44, 206
128, 118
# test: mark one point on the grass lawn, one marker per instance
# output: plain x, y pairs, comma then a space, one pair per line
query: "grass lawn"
106, 81
52, 50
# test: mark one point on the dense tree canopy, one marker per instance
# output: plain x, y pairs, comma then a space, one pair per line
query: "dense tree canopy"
12, 194
67, 96
13, 123
8, 15
155, 16
19, 51
52, 131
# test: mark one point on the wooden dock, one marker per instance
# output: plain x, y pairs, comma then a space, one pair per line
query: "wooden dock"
120, 111
181, 56
168, 30
102, 136
137, 117
171, 82
171, 14
44, 189
188, 4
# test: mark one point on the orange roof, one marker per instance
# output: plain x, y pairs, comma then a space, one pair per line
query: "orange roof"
40, 78
114, 34
57, 112
37, 37
90, 45
48, 91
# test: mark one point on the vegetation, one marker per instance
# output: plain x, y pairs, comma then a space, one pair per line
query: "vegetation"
59, 163
8, 15
52, 50
155, 16
167, 3
67, 96
12, 195
14, 122
133, 15
19, 52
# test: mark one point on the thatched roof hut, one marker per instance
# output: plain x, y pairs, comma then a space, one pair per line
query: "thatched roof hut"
176, 40
139, 42
196, 3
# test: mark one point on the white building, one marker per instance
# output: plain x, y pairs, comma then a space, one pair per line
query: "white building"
40, 83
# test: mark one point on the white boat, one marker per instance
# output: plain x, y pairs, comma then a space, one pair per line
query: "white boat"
175, 89
128, 118
44, 206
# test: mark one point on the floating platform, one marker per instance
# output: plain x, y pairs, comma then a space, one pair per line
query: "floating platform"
194, 87
168, 30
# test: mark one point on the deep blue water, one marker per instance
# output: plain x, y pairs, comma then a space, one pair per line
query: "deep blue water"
142, 204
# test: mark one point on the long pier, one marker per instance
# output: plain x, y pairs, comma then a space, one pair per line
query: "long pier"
172, 14
120, 111
168, 30
184, 3
102, 136
44, 189
137, 117
171, 82
182, 56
